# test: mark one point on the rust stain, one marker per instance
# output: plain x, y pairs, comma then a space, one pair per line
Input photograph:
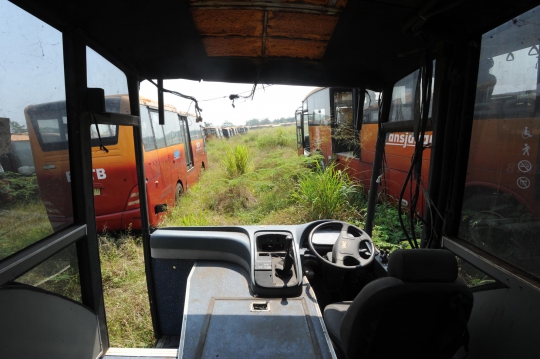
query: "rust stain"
227, 22
300, 25
236, 46
295, 48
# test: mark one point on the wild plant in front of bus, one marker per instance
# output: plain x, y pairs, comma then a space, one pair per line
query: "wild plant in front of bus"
325, 193
236, 160
124, 290
16, 188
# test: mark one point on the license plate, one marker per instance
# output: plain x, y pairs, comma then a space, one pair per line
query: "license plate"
97, 191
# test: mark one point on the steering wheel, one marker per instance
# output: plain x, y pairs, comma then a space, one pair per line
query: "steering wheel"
347, 248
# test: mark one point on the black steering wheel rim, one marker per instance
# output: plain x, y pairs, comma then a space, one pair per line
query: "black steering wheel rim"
342, 247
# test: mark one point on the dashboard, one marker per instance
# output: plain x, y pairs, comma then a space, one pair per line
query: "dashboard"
261, 251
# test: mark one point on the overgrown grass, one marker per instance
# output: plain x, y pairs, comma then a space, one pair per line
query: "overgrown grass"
326, 193
21, 225
125, 292
236, 160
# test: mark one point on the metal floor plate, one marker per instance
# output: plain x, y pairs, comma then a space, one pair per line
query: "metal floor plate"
219, 320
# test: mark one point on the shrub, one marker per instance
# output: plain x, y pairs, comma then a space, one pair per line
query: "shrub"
325, 193
18, 188
236, 160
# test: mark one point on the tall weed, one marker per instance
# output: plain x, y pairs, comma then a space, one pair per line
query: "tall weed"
236, 160
325, 193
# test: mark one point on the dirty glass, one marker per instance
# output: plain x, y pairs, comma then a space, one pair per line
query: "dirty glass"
146, 128
501, 206
158, 129
59, 274
35, 192
319, 107
371, 106
173, 133
472, 276
188, 152
402, 107
100, 73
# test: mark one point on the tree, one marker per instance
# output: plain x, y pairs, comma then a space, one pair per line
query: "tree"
207, 124
227, 124
17, 128
266, 121
253, 122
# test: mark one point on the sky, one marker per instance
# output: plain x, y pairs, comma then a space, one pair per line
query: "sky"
272, 102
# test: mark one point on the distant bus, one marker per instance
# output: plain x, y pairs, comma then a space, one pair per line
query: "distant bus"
212, 132
174, 155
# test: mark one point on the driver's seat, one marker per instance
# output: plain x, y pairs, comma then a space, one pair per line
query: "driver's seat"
419, 311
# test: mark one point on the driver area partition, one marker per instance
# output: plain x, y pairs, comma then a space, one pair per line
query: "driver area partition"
208, 303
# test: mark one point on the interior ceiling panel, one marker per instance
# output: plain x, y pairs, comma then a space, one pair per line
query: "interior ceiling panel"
215, 22
270, 22
299, 25
302, 42
295, 48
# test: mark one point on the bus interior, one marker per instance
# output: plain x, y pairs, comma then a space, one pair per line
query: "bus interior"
311, 290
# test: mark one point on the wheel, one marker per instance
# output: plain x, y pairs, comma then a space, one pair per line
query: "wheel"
353, 248
178, 192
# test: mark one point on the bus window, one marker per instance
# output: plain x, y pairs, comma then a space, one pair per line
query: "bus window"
172, 130
158, 130
501, 205
319, 107
102, 74
146, 129
32, 72
371, 107
343, 108
189, 154
59, 274
402, 107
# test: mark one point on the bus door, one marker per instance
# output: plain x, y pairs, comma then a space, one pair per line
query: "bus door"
151, 165
163, 186
343, 133
299, 132
176, 146
192, 172
47, 128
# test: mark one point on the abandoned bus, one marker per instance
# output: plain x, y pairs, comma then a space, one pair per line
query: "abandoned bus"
174, 155
307, 290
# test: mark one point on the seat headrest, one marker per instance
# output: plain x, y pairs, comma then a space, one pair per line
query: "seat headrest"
423, 265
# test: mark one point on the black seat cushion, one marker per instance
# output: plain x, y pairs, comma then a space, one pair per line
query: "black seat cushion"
333, 315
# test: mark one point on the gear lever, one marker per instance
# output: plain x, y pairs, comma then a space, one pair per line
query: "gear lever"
288, 261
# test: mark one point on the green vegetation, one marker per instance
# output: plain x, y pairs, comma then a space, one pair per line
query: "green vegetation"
125, 292
327, 193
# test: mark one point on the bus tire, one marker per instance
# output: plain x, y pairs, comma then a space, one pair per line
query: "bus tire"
178, 192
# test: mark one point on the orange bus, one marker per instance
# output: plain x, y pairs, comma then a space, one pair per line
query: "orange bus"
174, 155
502, 187
327, 125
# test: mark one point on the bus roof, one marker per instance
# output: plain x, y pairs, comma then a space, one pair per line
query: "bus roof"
312, 92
